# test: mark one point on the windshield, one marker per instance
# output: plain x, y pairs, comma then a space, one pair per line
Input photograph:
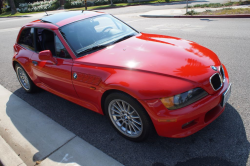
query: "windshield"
95, 33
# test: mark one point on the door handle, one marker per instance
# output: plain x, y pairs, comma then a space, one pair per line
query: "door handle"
35, 63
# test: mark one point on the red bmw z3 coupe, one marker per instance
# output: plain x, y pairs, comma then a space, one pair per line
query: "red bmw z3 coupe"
141, 82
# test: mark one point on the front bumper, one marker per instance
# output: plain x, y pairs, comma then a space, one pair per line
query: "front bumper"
187, 120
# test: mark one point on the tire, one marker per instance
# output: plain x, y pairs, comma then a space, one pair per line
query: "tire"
24, 79
128, 117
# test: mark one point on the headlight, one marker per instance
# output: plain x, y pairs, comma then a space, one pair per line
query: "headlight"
184, 99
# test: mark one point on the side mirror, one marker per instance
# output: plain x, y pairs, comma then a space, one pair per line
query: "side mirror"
47, 55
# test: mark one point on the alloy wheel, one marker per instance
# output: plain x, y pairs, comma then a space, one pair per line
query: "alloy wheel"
23, 78
125, 118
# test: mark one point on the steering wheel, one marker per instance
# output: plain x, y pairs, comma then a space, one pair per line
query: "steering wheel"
85, 37
105, 31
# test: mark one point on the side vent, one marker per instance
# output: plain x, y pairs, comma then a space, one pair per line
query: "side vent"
88, 79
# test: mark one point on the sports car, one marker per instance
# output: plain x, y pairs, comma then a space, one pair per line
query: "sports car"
141, 82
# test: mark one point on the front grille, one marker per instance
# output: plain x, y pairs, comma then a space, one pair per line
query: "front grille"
222, 73
216, 82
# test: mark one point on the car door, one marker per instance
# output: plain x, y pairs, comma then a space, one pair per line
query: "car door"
56, 76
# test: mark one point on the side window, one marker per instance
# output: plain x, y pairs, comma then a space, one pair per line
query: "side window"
47, 40
61, 51
27, 38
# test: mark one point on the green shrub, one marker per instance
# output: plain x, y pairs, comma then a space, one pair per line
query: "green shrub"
90, 4
192, 12
76, 4
73, 4
198, 5
38, 6
101, 2
229, 4
118, 1
55, 5
67, 5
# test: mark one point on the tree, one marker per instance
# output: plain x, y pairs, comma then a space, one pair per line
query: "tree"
12, 6
111, 2
1, 5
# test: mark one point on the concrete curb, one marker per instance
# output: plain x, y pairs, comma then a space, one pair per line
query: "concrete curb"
198, 16
8, 156
28, 137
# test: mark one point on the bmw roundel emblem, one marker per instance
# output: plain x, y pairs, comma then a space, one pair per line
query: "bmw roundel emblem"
214, 68
75, 76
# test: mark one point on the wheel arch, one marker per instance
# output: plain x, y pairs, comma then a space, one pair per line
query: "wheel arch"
108, 92
105, 95
14, 63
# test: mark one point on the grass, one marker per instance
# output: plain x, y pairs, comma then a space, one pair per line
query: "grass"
8, 14
123, 4
225, 11
216, 5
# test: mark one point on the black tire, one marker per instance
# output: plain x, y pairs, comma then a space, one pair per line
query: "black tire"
32, 87
127, 118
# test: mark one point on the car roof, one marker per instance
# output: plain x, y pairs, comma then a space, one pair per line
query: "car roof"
63, 18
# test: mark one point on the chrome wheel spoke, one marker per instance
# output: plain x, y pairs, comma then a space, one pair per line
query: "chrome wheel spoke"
128, 109
135, 117
119, 112
116, 115
131, 112
133, 127
133, 124
124, 107
136, 122
118, 120
119, 106
130, 129
122, 124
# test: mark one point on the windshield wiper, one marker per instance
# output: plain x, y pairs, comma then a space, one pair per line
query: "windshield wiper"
94, 48
97, 47
123, 38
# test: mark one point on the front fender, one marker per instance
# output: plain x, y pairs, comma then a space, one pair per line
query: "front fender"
145, 85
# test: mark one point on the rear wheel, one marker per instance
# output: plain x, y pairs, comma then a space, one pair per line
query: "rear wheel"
128, 117
24, 79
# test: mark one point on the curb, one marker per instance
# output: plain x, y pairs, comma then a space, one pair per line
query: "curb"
198, 16
8, 156
29, 137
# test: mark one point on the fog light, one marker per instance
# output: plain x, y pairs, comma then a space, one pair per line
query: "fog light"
188, 124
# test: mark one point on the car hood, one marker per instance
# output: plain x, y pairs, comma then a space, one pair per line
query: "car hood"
158, 54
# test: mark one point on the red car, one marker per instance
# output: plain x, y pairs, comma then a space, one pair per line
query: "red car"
141, 82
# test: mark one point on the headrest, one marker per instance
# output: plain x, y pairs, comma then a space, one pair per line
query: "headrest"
47, 36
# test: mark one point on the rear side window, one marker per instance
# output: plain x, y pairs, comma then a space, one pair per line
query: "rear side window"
27, 38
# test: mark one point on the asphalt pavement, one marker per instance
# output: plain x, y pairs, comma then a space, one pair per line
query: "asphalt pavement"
224, 142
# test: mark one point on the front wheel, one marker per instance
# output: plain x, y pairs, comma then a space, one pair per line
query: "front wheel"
128, 117
24, 79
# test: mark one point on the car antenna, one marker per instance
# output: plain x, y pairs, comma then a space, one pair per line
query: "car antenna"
46, 12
